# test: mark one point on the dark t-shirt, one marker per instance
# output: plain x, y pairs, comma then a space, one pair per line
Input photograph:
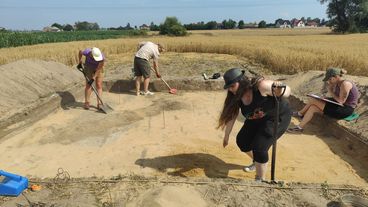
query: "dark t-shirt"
262, 108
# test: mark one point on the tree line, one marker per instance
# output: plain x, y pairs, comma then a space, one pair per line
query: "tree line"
344, 16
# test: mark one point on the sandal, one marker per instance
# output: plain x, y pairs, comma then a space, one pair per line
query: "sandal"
86, 105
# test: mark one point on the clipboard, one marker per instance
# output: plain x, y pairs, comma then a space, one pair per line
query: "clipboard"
324, 99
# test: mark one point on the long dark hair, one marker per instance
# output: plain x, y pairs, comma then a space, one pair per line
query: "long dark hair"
231, 104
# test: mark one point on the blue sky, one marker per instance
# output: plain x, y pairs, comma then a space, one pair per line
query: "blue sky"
36, 14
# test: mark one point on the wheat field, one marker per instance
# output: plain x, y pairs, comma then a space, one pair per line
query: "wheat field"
280, 50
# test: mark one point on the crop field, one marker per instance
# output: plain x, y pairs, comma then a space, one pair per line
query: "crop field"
14, 39
280, 50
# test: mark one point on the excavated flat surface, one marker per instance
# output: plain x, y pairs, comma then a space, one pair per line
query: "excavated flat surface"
165, 135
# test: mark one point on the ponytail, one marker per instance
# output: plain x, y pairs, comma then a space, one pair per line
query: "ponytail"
343, 71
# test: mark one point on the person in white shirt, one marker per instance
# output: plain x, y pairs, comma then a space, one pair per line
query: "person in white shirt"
142, 68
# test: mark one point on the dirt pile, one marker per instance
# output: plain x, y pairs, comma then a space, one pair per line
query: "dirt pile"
26, 82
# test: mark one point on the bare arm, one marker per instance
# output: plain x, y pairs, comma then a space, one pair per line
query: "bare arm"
265, 87
155, 67
228, 129
344, 92
80, 55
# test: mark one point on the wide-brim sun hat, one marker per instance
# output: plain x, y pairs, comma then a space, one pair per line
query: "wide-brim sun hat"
97, 54
232, 76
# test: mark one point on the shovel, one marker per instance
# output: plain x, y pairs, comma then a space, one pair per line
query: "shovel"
171, 90
275, 126
104, 107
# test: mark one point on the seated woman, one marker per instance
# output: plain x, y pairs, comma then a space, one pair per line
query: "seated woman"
342, 91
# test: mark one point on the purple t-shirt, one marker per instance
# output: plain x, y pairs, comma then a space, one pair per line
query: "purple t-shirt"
90, 61
353, 95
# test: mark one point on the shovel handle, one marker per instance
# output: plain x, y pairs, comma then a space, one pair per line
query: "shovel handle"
162, 79
283, 86
166, 83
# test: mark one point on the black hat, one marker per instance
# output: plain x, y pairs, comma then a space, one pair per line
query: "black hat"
233, 75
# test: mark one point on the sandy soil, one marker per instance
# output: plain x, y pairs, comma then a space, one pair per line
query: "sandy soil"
164, 135
161, 135
164, 150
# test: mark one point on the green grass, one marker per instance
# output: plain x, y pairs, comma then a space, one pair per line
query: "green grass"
15, 39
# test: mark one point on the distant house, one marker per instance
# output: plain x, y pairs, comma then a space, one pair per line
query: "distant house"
286, 24
144, 27
296, 23
311, 24
280, 23
51, 29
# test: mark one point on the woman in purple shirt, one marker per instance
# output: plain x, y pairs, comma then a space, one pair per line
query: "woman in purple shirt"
93, 68
342, 91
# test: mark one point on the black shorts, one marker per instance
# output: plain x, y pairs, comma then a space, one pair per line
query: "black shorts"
336, 111
142, 67
255, 136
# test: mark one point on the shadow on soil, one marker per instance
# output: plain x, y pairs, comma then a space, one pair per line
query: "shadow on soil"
212, 166
68, 101
127, 86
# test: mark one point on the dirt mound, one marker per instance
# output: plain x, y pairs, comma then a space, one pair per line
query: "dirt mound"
25, 82
311, 82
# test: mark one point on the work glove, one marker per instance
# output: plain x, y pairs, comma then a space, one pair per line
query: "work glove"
91, 81
79, 66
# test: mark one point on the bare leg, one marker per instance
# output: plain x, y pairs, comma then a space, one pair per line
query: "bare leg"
145, 84
138, 80
87, 93
309, 115
312, 101
99, 89
261, 169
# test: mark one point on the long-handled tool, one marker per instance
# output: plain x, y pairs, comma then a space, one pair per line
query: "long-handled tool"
171, 90
275, 126
104, 107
